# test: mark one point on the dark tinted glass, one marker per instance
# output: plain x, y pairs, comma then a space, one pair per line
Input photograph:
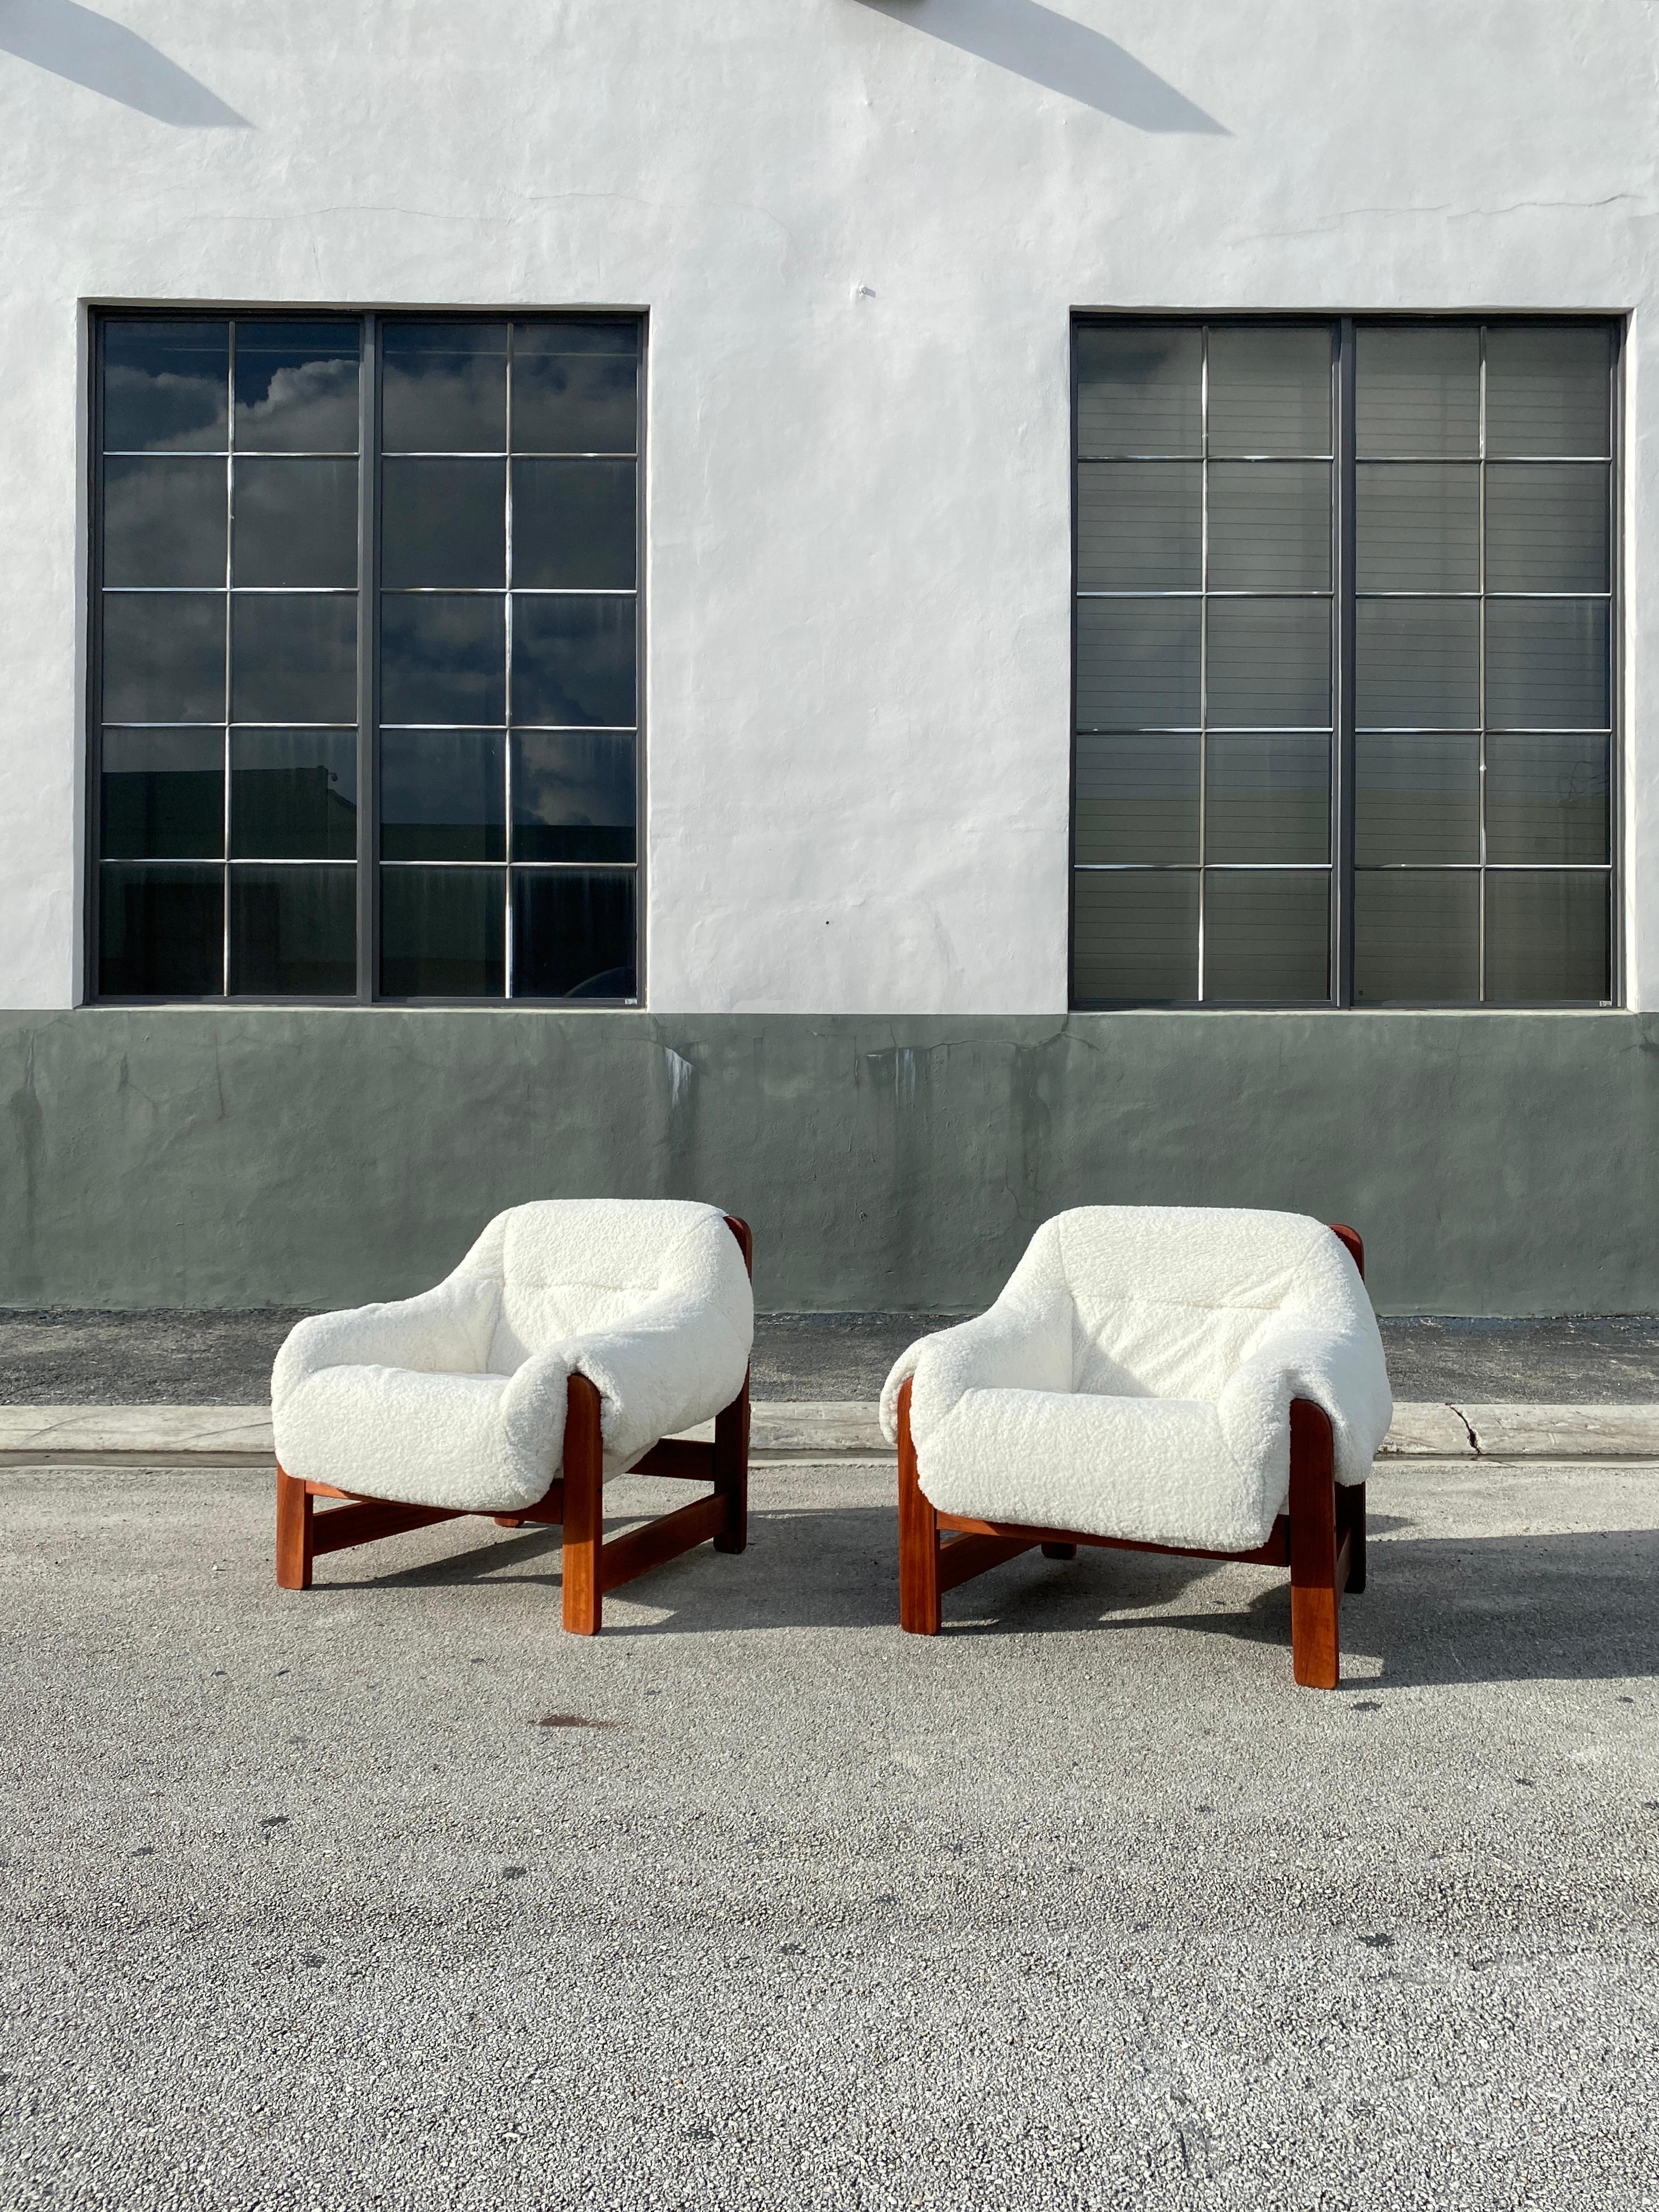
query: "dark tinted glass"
293, 660
573, 524
166, 386
1137, 798
164, 521
1418, 664
161, 932
1135, 936
294, 794
443, 795
294, 931
573, 797
1267, 934
1418, 527
444, 387
1270, 526
296, 386
1417, 799
1269, 663
1140, 389
1547, 664
443, 522
443, 933
443, 659
1267, 798
1139, 526
163, 794
1549, 390
1547, 799
573, 660
573, 934
1137, 664
164, 657
1547, 937
1270, 388
296, 523
575, 388
1417, 937
1547, 526
1417, 390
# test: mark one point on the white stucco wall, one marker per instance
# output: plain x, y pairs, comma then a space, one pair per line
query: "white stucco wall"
858, 226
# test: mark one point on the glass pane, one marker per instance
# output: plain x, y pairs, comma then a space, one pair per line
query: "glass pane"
575, 388
1547, 527
1418, 527
443, 387
443, 659
443, 522
573, 524
1547, 664
1270, 526
1417, 390
166, 386
1269, 663
1267, 934
296, 386
1134, 936
1417, 799
296, 523
163, 793
1137, 664
294, 931
1418, 664
161, 933
443, 933
1547, 799
1139, 526
1137, 798
1549, 389
294, 794
294, 659
1548, 938
1139, 388
1267, 799
573, 797
164, 657
443, 795
1417, 937
573, 660
1270, 388
164, 521
573, 934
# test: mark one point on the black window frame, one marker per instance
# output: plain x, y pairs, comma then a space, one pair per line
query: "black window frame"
368, 323
1341, 865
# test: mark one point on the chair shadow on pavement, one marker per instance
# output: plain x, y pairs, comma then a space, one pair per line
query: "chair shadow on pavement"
1437, 1609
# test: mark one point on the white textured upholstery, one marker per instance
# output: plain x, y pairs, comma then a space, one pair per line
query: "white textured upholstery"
1135, 1376
457, 1397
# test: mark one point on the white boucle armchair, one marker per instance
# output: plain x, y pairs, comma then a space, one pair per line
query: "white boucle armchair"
574, 1342
1201, 1380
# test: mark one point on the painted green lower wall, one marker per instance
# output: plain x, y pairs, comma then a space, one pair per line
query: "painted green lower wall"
1497, 1164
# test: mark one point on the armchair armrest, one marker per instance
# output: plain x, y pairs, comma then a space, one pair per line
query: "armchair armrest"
1023, 1343
1340, 1368
445, 1330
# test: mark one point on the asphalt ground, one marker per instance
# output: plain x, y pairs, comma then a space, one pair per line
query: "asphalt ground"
392, 1895
60, 1357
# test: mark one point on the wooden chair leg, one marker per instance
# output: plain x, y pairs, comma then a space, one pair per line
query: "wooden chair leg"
293, 1532
1060, 1551
584, 1508
731, 1471
919, 1593
1351, 1523
1314, 1646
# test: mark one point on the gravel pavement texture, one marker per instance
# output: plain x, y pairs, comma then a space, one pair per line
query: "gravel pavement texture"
391, 1895
224, 1358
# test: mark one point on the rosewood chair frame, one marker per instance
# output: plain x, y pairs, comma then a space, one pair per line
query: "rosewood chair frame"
574, 1502
1321, 1537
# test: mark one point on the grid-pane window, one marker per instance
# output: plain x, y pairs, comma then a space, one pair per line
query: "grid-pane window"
367, 732
1344, 671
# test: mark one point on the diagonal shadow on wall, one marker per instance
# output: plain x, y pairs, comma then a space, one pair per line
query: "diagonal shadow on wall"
87, 48
1053, 50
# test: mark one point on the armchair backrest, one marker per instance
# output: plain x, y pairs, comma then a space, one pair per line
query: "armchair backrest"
1169, 1301
568, 1266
